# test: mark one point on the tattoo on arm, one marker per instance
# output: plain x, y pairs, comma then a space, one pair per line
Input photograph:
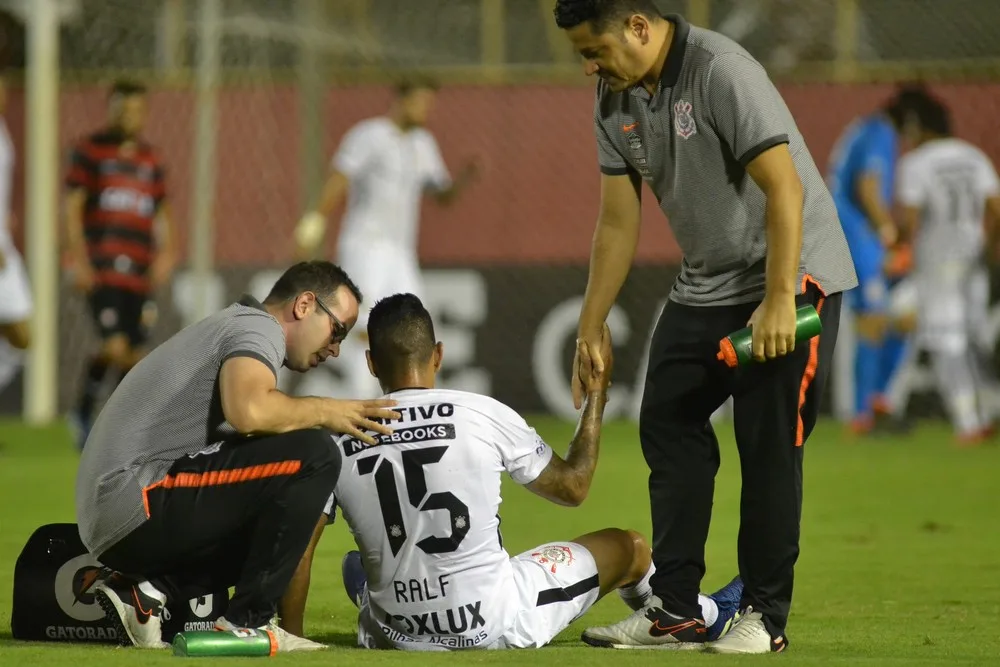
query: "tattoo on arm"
567, 481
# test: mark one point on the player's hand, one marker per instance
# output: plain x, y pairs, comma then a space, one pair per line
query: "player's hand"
159, 272
889, 235
773, 327
353, 418
83, 276
588, 363
599, 381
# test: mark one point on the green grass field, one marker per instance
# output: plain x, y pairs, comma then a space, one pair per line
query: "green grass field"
900, 556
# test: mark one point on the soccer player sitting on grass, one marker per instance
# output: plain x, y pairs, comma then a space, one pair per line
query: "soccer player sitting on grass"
432, 572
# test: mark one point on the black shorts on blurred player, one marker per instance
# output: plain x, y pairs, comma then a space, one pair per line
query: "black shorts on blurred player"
120, 311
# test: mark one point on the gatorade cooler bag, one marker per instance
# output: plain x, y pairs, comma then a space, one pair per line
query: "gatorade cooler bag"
53, 602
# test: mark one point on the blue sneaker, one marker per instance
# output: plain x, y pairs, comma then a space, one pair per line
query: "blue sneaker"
355, 579
727, 599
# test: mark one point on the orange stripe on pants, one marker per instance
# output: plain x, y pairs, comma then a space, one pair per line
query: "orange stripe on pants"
194, 480
810, 373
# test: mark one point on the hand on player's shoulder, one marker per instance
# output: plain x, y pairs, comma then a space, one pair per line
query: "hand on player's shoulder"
355, 418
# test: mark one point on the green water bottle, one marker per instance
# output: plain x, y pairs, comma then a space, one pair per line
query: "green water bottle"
736, 349
241, 643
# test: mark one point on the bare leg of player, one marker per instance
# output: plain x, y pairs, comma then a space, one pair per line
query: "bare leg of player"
292, 608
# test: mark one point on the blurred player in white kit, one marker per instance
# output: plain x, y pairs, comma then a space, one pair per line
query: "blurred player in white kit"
383, 167
946, 185
15, 293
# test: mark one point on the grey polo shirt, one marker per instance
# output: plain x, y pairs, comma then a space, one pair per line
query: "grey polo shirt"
167, 407
714, 111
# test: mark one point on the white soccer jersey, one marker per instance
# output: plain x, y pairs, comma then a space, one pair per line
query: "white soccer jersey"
423, 507
389, 170
949, 180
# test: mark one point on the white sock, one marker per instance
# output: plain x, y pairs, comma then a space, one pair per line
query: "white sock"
10, 362
638, 594
709, 610
957, 387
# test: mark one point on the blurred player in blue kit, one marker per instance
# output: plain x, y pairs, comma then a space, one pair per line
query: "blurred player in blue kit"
860, 178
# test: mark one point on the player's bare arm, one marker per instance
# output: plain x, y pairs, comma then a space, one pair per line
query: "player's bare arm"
567, 481
869, 194
253, 405
910, 220
166, 247
311, 230
774, 320
611, 254
76, 202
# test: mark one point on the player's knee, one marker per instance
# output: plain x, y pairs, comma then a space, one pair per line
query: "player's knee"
905, 324
642, 554
871, 326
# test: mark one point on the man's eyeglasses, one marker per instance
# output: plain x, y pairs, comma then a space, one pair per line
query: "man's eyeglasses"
339, 330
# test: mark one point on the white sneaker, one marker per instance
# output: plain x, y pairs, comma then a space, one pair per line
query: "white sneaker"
287, 642
651, 627
135, 608
748, 635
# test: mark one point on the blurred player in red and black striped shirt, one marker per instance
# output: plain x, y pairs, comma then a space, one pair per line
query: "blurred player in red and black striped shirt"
120, 237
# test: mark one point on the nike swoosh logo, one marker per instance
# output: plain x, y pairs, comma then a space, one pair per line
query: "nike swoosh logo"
657, 630
142, 614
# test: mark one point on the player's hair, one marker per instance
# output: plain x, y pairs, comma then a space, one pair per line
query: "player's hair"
126, 88
933, 116
601, 14
412, 84
905, 103
319, 277
400, 334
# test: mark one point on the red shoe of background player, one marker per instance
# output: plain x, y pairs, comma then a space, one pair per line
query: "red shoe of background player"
975, 439
861, 425
881, 407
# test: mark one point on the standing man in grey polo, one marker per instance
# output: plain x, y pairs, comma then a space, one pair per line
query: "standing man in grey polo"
694, 116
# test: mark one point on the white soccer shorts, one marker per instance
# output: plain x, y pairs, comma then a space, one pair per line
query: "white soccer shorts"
554, 585
954, 302
15, 292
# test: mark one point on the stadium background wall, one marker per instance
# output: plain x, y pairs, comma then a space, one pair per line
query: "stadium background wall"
509, 259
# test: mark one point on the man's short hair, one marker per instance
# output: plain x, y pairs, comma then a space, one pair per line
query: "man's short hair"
602, 14
321, 278
411, 84
400, 333
905, 103
126, 88
933, 116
